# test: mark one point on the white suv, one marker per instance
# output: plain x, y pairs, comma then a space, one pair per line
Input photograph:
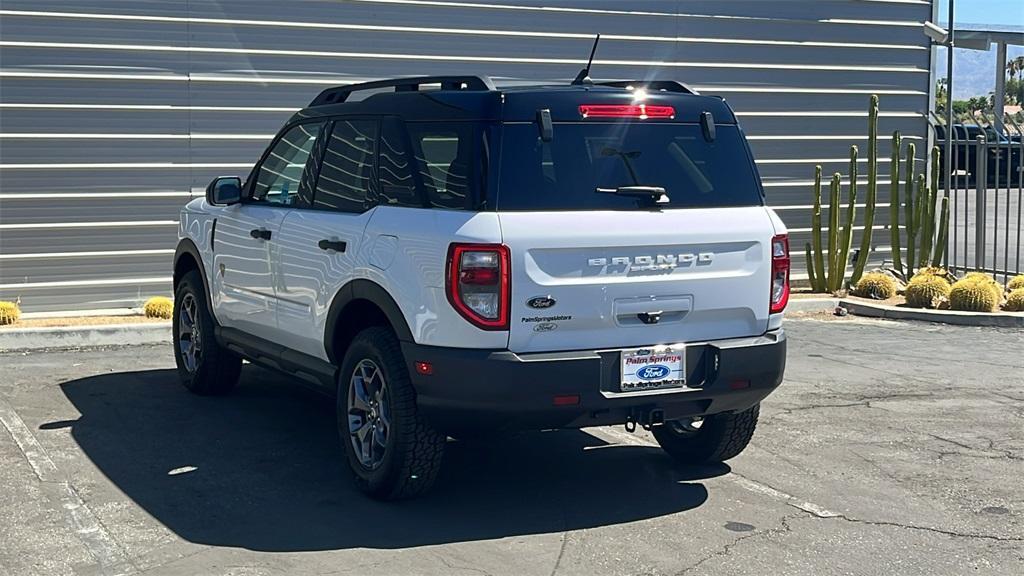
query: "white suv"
463, 258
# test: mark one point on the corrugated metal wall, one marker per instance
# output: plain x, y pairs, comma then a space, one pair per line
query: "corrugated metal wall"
114, 113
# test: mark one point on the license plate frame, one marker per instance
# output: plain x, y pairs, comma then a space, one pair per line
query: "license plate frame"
652, 368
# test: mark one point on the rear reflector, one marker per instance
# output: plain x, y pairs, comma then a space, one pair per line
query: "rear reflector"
641, 111
567, 400
424, 368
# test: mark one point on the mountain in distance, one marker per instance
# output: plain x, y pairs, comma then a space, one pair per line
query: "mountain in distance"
974, 71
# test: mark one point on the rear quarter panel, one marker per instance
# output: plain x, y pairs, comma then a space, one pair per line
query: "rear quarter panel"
405, 252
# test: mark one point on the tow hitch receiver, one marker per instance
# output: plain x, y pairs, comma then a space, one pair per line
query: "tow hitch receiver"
647, 418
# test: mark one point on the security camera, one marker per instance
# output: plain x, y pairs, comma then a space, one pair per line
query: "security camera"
938, 34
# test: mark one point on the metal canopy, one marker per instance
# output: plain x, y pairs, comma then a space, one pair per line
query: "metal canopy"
976, 37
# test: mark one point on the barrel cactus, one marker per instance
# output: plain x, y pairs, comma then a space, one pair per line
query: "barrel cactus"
875, 285
975, 294
938, 271
987, 280
9, 313
158, 307
927, 291
1015, 301
1015, 283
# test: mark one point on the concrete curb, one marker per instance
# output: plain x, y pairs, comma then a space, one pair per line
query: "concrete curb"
15, 339
812, 304
998, 320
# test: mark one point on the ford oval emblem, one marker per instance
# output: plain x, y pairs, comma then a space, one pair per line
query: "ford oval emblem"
653, 372
541, 302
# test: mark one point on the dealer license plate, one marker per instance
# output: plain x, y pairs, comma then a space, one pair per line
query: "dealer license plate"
653, 368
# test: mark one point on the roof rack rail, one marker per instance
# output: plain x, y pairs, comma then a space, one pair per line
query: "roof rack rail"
655, 85
339, 94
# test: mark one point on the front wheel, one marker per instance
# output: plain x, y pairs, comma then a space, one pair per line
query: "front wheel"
392, 452
714, 438
204, 367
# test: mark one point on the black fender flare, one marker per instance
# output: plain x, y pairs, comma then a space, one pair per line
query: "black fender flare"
187, 246
362, 289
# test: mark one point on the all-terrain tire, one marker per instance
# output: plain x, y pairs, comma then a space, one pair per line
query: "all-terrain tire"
413, 450
720, 437
214, 370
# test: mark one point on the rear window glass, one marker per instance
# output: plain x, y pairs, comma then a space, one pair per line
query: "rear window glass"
565, 173
445, 153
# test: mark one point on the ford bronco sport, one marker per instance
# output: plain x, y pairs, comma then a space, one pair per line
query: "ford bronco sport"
445, 257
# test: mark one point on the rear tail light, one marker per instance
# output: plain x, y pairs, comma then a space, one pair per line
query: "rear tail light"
780, 273
477, 284
641, 111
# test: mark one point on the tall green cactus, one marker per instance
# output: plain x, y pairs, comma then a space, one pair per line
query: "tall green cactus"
815, 286
833, 231
933, 201
894, 202
816, 266
869, 208
921, 225
908, 205
847, 235
942, 240
931, 240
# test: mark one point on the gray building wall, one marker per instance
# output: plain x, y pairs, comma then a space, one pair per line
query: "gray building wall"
115, 113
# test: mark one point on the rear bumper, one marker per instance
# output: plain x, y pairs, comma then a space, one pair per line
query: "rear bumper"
489, 389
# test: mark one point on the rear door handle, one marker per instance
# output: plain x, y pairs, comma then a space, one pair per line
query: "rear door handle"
336, 245
260, 233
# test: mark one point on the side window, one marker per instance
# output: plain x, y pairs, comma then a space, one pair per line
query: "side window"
394, 167
278, 179
444, 156
346, 172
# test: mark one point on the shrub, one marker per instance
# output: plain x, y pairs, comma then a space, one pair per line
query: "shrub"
9, 313
876, 285
927, 291
975, 294
1015, 301
159, 307
1015, 283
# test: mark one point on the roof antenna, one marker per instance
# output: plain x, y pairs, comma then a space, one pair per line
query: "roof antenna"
584, 76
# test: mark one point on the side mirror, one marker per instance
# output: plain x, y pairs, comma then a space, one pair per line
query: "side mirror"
224, 191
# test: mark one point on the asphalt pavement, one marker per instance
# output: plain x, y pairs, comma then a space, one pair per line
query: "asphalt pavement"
891, 448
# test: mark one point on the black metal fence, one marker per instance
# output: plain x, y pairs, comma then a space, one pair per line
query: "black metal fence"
985, 184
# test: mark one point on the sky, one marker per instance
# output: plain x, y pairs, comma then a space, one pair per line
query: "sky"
1001, 12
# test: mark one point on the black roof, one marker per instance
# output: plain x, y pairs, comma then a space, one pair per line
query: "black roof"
477, 98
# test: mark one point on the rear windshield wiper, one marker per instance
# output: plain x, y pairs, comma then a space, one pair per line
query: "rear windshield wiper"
657, 193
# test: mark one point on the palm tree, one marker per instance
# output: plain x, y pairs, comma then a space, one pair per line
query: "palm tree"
1015, 66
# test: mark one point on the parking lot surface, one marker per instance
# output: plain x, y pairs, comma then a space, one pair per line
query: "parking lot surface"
891, 448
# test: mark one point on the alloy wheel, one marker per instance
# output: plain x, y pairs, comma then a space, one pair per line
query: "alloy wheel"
189, 338
369, 413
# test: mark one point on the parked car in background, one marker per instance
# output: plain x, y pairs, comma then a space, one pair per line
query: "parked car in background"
1003, 155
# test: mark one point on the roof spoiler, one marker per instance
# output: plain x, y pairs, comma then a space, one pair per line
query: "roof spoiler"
652, 85
339, 94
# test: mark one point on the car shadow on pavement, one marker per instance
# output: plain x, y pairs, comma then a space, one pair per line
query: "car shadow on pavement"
262, 469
